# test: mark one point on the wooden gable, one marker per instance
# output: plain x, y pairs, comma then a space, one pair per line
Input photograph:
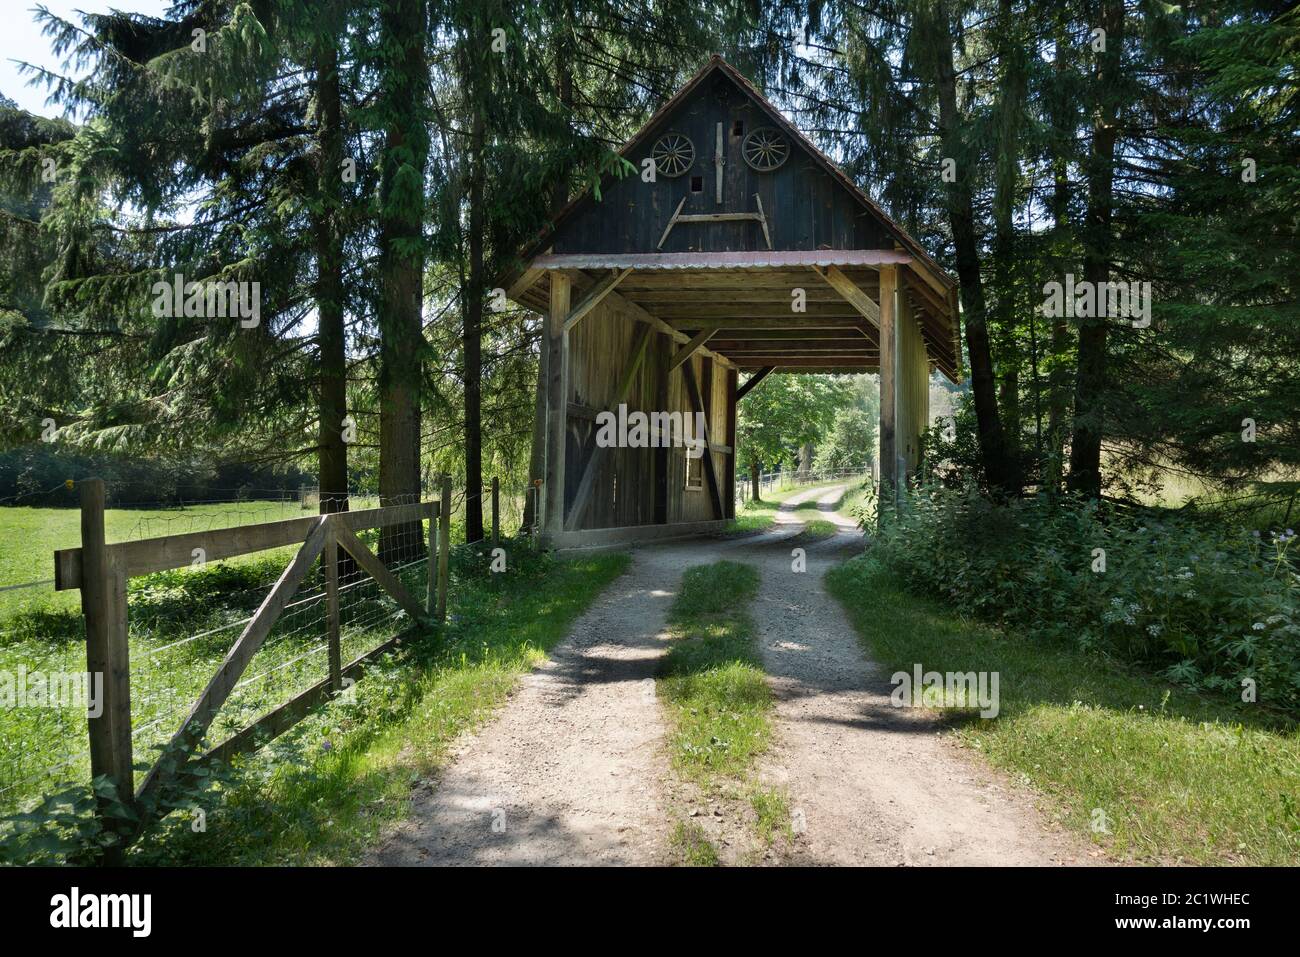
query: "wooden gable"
805, 207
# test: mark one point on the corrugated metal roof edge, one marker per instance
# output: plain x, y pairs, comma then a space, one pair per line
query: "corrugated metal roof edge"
721, 260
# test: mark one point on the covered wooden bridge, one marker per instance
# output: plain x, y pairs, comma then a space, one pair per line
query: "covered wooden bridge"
738, 250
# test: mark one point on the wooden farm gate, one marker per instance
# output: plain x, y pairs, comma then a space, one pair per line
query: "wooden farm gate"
101, 572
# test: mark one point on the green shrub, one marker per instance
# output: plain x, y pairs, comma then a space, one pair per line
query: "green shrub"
1207, 606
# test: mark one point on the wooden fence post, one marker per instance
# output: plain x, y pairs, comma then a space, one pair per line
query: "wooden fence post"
331, 560
444, 546
496, 511
431, 592
103, 602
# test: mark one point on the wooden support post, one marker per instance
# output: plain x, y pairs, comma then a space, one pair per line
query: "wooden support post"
332, 622
732, 441
444, 546
888, 388
697, 405
103, 602
496, 511
431, 572
718, 163
660, 353
556, 405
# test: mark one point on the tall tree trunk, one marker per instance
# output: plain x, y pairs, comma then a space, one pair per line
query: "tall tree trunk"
536, 465
401, 267
1090, 378
559, 197
333, 399
1010, 109
473, 337
999, 467
1058, 376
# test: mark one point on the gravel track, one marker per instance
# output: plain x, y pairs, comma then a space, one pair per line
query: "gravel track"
574, 768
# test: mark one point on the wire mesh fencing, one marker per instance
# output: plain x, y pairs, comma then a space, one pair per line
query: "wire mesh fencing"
772, 483
181, 624
512, 506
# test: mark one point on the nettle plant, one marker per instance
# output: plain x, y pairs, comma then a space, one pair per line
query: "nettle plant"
1207, 607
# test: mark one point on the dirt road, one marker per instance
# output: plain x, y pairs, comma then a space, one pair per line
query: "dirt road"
574, 769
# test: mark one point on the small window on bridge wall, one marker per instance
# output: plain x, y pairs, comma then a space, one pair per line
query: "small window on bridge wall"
694, 472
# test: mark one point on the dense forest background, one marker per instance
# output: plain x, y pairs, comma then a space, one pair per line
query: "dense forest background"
374, 166
1104, 517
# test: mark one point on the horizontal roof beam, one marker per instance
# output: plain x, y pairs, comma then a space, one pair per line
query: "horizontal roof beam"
810, 363
793, 321
740, 333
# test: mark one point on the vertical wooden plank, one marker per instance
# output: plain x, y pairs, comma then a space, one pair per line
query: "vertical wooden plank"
697, 405
430, 597
731, 441
444, 545
330, 559
719, 162
556, 405
661, 355
496, 511
888, 386
103, 602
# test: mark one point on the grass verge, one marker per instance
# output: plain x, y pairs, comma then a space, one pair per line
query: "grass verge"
1175, 776
760, 515
817, 528
718, 702
322, 792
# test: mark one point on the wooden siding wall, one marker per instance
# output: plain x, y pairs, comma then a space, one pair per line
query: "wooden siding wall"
631, 483
805, 207
696, 505
913, 388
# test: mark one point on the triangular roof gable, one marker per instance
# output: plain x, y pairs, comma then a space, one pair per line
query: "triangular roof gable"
717, 64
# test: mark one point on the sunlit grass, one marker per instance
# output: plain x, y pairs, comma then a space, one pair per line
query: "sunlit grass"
1170, 775
759, 516
718, 699
330, 787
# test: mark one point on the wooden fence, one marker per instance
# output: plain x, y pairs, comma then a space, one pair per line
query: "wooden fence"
101, 572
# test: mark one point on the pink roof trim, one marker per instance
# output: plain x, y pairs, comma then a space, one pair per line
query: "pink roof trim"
722, 260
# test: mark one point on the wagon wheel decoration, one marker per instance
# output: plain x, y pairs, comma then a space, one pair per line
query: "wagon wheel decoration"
765, 149
673, 154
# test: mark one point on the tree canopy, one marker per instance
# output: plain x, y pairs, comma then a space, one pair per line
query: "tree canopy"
374, 166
